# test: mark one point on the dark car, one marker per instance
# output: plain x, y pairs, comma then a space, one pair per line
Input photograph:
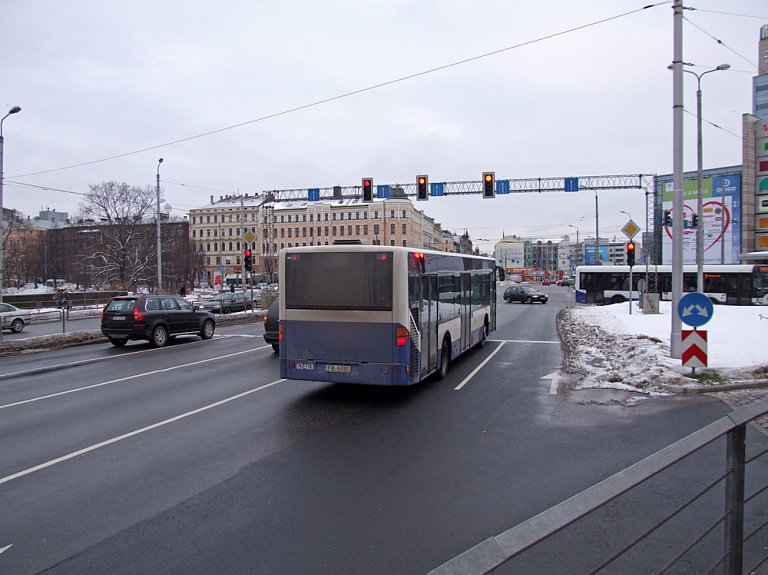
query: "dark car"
227, 303
155, 318
567, 282
524, 294
272, 325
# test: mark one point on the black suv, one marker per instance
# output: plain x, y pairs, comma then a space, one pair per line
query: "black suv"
155, 318
524, 294
272, 325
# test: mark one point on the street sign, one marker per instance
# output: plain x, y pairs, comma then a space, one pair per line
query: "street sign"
694, 348
630, 229
571, 184
695, 309
249, 237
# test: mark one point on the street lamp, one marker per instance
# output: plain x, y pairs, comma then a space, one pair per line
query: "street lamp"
577, 243
159, 243
700, 191
14, 110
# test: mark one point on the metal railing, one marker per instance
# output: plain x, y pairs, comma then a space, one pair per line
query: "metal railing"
495, 551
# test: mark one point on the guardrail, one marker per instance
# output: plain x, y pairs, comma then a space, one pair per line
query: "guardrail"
657, 554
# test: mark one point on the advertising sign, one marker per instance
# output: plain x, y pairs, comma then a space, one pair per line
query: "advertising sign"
722, 219
589, 254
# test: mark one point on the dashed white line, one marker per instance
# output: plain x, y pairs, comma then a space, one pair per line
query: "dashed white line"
131, 434
478, 368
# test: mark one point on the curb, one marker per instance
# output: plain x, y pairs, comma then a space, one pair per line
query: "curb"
682, 390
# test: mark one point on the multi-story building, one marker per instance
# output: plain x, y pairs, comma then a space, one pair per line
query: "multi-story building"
218, 230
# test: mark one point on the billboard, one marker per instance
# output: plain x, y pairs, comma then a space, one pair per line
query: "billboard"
589, 254
722, 219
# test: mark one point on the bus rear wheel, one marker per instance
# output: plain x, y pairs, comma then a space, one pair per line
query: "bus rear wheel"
442, 372
618, 299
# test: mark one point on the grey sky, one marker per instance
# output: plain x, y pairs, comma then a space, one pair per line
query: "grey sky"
97, 79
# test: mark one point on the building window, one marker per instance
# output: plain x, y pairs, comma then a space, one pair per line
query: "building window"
193, 233
216, 246
208, 261
349, 215
403, 213
326, 231
282, 245
341, 216
311, 217
207, 247
282, 232
218, 260
391, 228
208, 219
303, 232
193, 219
304, 218
334, 230
404, 228
349, 230
341, 230
230, 231
290, 231
215, 219
365, 215
357, 230
237, 261
282, 219
376, 215
357, 215
376, 229
365, 230
391, 213
326, 216
230, 246
405, 243
334, 217
392, 242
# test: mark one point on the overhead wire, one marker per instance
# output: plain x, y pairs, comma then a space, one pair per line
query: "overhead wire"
723, 44
353, 92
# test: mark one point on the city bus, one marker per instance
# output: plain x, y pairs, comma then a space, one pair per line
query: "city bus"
739, 284
380, 315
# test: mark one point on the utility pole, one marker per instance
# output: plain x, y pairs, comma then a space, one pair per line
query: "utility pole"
597, 234
675, 339
159, 242
242, 233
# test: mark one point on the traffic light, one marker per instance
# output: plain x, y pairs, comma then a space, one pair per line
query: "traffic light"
422, 185
695, 221
247, 260
367, 189
667, 218
630, 254
489, 184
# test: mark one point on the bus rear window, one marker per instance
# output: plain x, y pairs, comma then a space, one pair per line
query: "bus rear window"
339, 280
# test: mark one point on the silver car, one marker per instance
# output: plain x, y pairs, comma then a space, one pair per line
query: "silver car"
14, 318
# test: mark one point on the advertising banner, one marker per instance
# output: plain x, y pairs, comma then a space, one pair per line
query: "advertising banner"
722, 220
589, 254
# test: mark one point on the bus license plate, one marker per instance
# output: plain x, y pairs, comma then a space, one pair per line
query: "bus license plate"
338, 368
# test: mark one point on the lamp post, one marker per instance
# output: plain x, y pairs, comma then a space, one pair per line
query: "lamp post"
14, 110
699, 185
577, 245
159, 243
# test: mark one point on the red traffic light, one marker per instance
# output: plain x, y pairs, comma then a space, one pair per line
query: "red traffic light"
422, 181
488, 177
631, 246
367, 183
247, 253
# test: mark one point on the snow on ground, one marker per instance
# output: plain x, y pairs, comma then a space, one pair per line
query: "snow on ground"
613, 349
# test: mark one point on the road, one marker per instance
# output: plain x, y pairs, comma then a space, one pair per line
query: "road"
197, 458
37, 329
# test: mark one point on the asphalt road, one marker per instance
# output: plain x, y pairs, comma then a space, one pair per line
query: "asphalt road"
197, 458
37, 329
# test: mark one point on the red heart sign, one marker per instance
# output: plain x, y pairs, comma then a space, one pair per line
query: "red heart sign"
710, 223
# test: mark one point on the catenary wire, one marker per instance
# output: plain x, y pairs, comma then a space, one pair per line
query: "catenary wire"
354, 92
719, 42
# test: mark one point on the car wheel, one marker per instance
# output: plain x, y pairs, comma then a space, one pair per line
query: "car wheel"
529, 299
118, 342
442, 371
17, 325
206, 332
159, 336
226, 310
276, 347
508, 299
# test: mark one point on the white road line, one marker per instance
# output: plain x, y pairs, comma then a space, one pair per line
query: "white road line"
3, 549
555, 376
129, 377
479, 367
524, 341
132, 433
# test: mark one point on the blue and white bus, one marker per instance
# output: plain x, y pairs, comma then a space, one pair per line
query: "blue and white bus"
731, 284
380, 315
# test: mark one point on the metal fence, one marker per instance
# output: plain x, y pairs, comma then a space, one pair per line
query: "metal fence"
726, 537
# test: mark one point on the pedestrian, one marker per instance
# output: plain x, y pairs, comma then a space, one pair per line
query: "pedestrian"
183, 290
232, 288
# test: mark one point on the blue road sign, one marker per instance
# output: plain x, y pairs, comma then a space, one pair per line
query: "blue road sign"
571, 184
436, 189
313, 195
695, 309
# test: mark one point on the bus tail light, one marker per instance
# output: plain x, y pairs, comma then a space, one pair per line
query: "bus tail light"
280, 331
401, 336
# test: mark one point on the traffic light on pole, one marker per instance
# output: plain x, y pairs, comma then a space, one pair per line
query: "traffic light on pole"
489, 185
247, 260
367, 189
630, 254
695, 221
422, 185
667, 218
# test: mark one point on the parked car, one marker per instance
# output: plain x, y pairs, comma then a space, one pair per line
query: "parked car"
524, 294
155, 318
567, 282
14, 318
227, 303
272, 325
545, 282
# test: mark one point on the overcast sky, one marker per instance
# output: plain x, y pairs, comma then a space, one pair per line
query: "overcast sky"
99, 79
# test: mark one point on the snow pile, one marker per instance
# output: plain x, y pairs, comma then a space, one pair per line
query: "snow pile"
612, 349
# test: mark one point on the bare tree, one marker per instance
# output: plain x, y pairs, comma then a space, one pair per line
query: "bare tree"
124, 253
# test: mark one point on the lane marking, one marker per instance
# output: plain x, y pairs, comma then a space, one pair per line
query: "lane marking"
3, 549
133, 433
135, 376
524, 341
235, 335
555, 376
479, 367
